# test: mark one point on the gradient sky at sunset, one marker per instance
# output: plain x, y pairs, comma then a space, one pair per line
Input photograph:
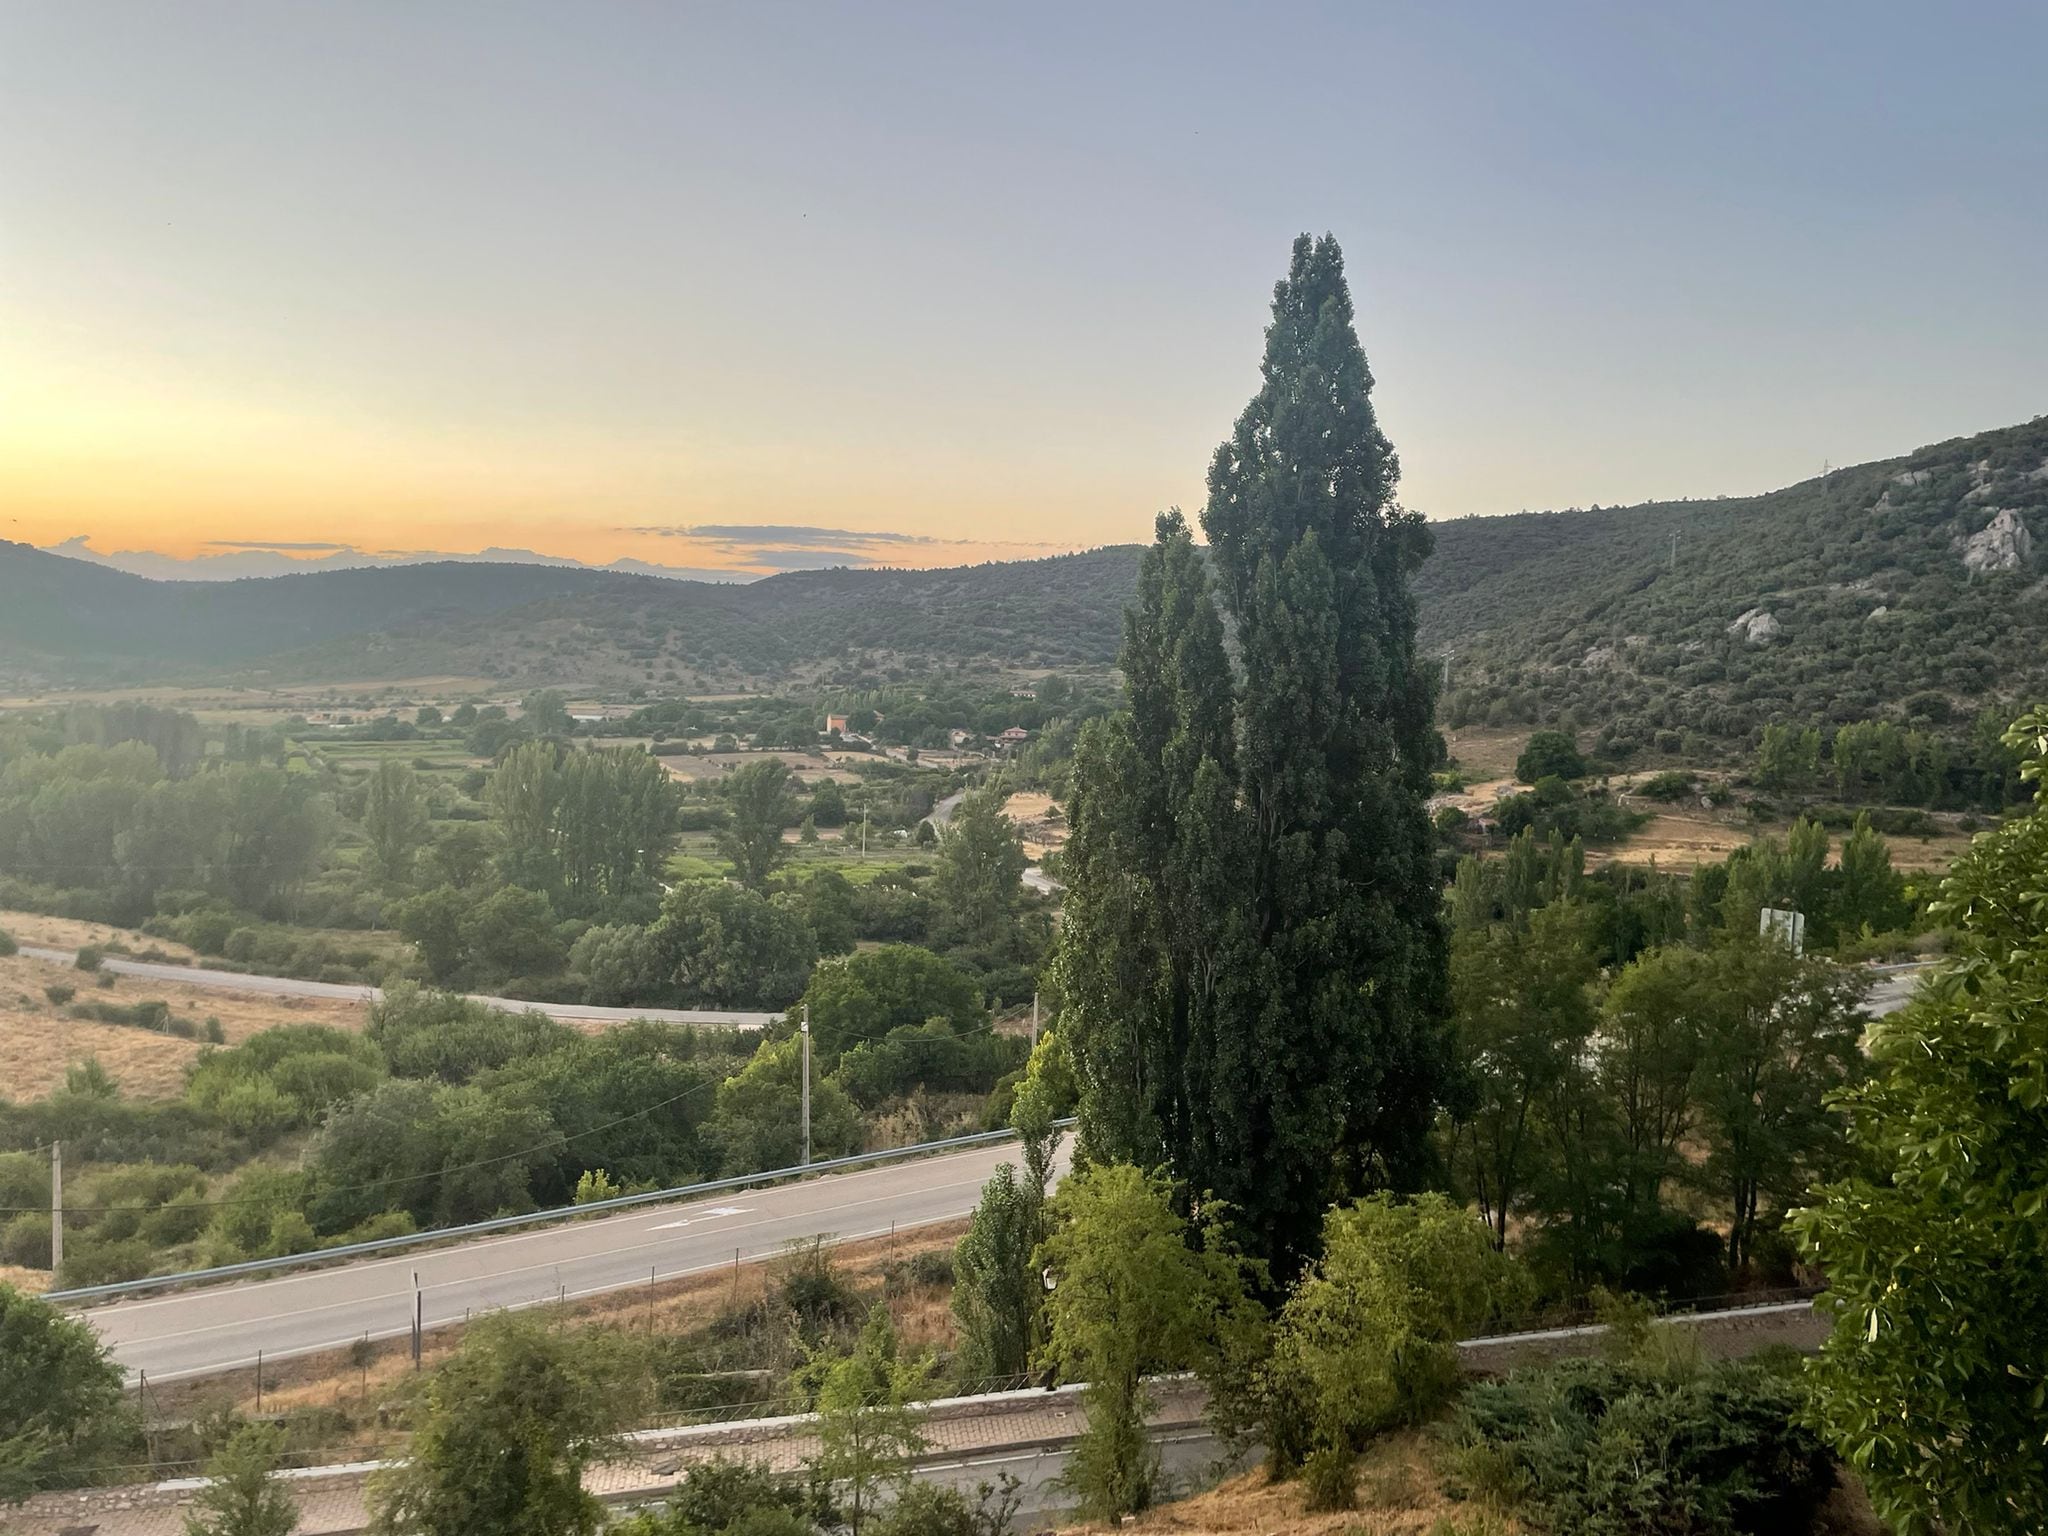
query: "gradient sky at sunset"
917, 284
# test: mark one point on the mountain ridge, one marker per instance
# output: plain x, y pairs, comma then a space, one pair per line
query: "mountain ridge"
1838, 597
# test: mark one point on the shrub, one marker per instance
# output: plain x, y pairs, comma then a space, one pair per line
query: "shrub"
7, 944
89, 958
60, 992
1598, 1448
90, 1260
1368, 1339
25, 1241
1674, 785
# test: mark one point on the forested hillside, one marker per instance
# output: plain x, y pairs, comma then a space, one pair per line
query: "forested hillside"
68, 620
1908, 588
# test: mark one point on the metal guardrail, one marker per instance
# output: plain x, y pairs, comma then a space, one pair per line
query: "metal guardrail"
533, 1218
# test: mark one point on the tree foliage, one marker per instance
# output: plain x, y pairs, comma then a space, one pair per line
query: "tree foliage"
62, 1410
501, 1434
1132, 1296
1250, 951
1934, 1384
243, 1496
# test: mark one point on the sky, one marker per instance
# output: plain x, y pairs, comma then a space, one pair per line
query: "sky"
739, 288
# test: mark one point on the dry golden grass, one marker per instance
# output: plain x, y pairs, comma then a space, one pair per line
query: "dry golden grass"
39, 1040
34, 1281
70, 933
1482, 752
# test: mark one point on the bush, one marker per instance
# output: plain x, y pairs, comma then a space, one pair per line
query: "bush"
25, 1241
89, 1260
60, 992
7, 944
1596, 1448
1550, 754
89, 958
1675, 785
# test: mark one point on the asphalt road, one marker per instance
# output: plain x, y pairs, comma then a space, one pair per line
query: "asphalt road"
1892, 989
291, 986
222, 1327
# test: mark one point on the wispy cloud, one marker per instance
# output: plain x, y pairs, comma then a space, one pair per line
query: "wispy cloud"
788, 535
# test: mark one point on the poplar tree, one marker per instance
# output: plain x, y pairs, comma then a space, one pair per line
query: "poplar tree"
1251, 950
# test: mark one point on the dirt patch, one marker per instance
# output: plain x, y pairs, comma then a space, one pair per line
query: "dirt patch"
1041, 824
1484, 752
39, 1039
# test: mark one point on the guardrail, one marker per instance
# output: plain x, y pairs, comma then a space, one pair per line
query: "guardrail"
532, 1218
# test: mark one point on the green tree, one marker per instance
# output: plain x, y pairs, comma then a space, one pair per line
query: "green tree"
1788, 757
1251, 950
1550, 755
755, 1120
1132, 1295
894, 986
996, 1291
1524, 1014
243, 1496
433, 921
522, 795
546, 713
722, 946
62, 1409
511, 932
828, 804
759, 805
394, 820
980, 866
1933, 1382
1368, 1337
1784, 1035
501, 1435
459, 856
1870, 896
868, 1420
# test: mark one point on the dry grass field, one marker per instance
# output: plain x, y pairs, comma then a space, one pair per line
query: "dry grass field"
39, 1039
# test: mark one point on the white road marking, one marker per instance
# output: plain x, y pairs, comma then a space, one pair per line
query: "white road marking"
716, 1210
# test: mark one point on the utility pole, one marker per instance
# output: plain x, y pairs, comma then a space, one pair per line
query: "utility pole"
1674, 549
56, 1212
863, 829
807, 1084
1034, 1021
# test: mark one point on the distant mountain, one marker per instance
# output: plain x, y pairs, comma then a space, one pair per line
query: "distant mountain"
1907, 588
69, 620
240, 560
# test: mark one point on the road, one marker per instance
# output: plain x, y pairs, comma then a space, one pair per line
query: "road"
1892, 988
292, 986
220, 1328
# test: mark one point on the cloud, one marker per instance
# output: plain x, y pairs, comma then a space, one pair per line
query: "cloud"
788, 535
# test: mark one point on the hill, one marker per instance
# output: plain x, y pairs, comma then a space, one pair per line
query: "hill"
1910, 587
68, 620
1905, 588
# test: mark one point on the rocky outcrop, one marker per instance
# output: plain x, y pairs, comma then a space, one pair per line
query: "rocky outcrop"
1759, 626
2003, 545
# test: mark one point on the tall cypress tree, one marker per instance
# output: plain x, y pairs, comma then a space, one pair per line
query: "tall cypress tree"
1251, 951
